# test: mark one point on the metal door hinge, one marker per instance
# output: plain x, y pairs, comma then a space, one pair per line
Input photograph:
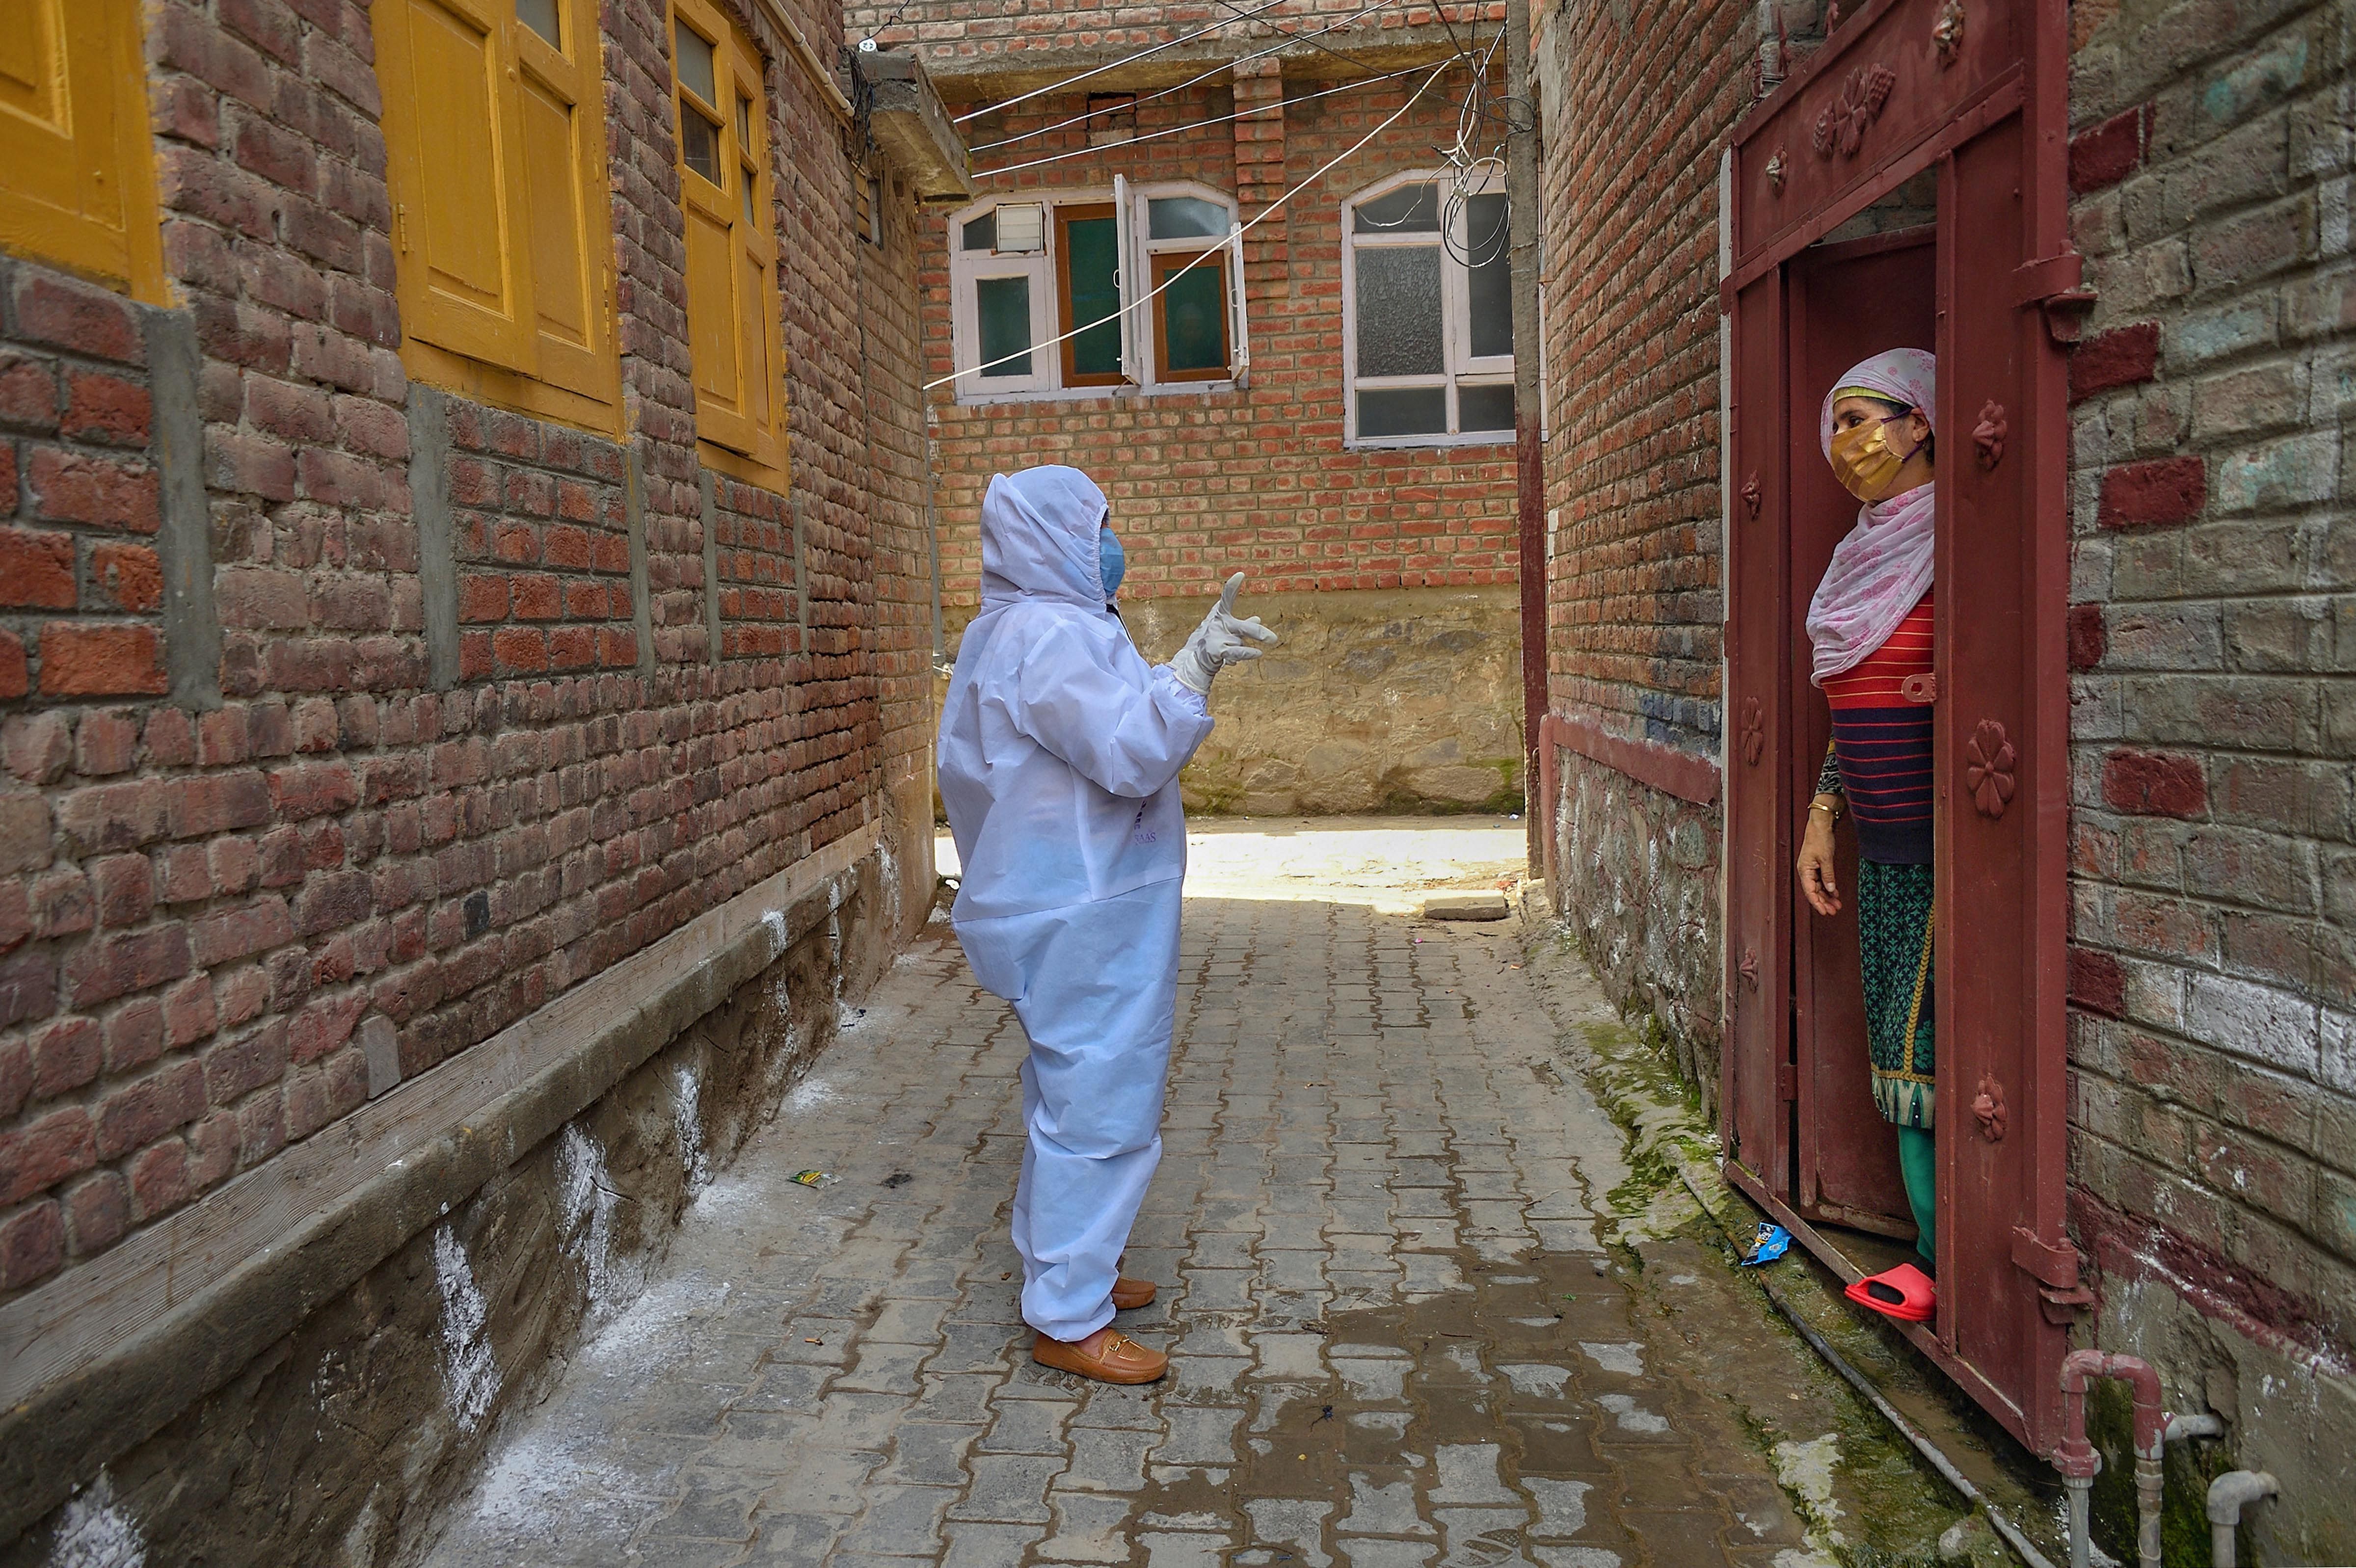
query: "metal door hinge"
1787, 1080
2054, 1266
2057, 284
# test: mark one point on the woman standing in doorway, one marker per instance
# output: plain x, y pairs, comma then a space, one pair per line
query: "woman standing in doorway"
1869, 632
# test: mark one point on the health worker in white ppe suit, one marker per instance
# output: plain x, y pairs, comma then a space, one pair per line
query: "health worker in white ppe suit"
1059, 757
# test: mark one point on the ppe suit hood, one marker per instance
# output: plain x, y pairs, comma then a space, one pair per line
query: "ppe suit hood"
1039, 533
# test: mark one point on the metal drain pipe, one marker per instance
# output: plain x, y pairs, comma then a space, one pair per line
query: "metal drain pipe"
2229, 1493
2078, 1461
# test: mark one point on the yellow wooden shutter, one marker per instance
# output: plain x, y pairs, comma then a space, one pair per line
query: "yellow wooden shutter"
455, 167
77, 170
731, 250
562, 131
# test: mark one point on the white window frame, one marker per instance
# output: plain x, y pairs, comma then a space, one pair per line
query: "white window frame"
1046, 380
1459, 367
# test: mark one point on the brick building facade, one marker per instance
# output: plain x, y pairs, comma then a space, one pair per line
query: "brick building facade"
1389, 563
2212, 1116
415, 753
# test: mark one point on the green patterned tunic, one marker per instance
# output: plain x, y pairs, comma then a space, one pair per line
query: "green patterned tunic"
1893, 928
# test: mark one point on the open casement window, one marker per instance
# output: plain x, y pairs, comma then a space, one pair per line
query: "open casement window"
1184, 237
1087, 288
1027, 271
1191, 341
77, 167
732, 245
494, 120
1427, 353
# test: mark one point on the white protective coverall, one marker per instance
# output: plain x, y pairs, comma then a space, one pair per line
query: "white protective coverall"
1059, 756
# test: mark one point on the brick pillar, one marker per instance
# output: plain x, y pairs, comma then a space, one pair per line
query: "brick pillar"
1259, 161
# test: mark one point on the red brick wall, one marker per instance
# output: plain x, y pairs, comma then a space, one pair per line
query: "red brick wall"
2213, 799
1632, 469
80, 585
1254, 479
203, 913
2214, 641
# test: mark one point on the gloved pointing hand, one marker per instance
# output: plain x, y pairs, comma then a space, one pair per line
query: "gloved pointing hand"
1220, 641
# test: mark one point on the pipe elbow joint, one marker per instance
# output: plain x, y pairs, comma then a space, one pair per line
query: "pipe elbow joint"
2150, 1421
2234, 1490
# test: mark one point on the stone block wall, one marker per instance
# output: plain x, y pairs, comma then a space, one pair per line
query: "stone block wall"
346, 721
1399, 701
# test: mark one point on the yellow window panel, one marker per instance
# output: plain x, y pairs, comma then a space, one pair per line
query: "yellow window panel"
455, 168
503, 244
711, 335
77, 166
562, 105
732, 250
753, 316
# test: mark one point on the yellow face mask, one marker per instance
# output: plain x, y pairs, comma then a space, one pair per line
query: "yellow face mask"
1863, 461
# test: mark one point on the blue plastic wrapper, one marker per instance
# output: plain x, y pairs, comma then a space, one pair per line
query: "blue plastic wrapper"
1772, 1242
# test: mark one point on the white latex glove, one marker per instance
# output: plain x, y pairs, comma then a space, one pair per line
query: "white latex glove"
1221, 640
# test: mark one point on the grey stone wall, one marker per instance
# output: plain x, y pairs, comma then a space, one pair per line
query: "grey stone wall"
1398, 700
1637, 880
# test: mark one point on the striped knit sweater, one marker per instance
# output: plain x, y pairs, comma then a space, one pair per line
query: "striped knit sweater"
1883, 743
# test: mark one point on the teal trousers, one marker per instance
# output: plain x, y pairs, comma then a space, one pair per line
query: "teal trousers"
1918, 1163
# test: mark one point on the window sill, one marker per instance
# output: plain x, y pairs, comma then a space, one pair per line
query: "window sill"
1097, 394
511, 390
1427, 443
746, 470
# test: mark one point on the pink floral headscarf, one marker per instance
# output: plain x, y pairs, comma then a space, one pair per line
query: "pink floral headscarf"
1882, 569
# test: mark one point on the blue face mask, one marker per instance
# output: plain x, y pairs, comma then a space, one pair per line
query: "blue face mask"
1111, 561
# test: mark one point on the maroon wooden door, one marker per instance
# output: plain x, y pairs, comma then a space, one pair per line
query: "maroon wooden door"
1978, 93
1757, 1070
1848, 300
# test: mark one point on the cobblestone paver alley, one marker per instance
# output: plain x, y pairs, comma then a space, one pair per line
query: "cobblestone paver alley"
1398, 1340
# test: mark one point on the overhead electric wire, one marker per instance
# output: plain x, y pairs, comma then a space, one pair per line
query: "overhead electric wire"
1232, 236
1181, 87
1303, 37
1110, 65
1197, 124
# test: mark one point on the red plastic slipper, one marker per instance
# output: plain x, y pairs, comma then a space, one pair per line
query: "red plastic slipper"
1904, 1293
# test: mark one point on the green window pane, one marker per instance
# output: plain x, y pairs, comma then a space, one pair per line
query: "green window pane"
1181, 217
1410, 210
1403, 410
1485, 408
1002, 306
982, 233
1092, 250
1194, 320
1489, 278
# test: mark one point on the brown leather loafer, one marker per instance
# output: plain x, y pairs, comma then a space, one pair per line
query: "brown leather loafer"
1106, 1355
1131, 1294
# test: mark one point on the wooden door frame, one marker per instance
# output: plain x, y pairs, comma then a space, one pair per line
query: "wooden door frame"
1898, 91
